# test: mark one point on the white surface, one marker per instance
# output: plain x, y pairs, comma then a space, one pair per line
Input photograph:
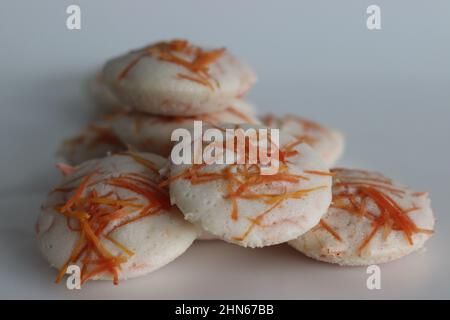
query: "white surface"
387, 91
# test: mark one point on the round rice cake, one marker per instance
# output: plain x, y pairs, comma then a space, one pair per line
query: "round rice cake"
236, 203
372, 220
152, 133
110, 217
96, 141
177, 78
329, 143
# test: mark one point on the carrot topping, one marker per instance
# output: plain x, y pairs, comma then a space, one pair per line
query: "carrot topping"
99, 215
245, 182
180, 52
153, 196
111, 202
369, 186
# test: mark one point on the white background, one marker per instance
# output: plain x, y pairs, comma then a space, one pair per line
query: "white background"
388, 91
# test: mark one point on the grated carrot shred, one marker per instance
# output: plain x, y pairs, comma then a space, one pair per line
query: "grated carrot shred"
78, 192
330, 230
320, 173
119, 245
